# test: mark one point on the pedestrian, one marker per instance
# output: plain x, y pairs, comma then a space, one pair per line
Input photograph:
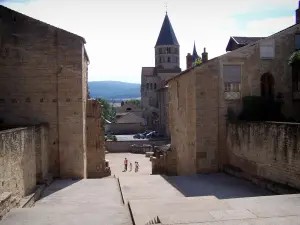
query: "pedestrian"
125, 164
130, 166
136, 167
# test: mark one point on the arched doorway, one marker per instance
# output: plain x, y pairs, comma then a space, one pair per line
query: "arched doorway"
267, 85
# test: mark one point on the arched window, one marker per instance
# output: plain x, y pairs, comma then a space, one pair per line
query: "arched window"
169, 59
267, 85
150, 86
154, 85
147, 86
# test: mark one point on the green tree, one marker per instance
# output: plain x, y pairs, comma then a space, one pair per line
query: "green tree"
108, 111
134, 101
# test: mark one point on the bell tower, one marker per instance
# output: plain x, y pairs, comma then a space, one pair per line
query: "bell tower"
167, 47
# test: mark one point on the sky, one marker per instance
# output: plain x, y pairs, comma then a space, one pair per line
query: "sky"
121, 34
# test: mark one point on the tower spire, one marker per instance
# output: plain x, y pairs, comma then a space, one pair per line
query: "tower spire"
166, 8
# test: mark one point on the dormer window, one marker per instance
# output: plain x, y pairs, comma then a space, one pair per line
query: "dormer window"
297, 42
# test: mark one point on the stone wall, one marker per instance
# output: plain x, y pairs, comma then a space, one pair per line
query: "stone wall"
43, 80
166, 164
18, 161
125, 128
182, 121
125, 146
266, 150
95, 141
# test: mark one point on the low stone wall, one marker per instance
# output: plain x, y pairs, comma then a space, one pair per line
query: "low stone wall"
23, 163
165, 163
126, 146
125, 128
265, 151
141, 149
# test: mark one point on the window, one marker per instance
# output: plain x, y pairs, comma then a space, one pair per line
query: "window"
160, 50
176, 59
232, 81
160, 59
267, 49
147, 86
150, 86
154, 86
297, 41
176, 50
169, 59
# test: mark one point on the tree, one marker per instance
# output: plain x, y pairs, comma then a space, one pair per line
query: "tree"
134, 101
108, 111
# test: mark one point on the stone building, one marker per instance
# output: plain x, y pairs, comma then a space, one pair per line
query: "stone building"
43, 73
167, 65
201, 98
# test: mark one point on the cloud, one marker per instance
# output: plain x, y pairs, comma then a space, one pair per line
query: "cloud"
121, 34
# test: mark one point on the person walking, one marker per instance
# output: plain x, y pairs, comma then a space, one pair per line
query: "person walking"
125, 164
130, 166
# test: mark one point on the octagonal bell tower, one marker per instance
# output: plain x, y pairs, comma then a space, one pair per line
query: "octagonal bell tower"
167, 47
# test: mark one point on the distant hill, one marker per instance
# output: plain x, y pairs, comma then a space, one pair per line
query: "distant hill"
114, 90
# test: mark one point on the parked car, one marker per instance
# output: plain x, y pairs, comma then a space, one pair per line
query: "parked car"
154, 134
141, 135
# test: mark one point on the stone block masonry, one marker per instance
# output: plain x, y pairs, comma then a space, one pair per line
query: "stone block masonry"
266, 150
43, 79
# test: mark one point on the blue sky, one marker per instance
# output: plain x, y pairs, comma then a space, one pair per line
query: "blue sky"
121, 34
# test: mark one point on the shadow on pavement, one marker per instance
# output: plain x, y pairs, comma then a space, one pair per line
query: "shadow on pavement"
57, 185
219, 185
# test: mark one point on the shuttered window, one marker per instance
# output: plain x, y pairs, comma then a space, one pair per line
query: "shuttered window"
267, 49
232, 73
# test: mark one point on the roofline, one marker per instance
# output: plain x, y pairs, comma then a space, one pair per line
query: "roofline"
228, 53
234, 39
83, 39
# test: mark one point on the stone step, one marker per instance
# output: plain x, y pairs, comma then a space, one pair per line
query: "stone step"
289, 220
145, 210
68, 216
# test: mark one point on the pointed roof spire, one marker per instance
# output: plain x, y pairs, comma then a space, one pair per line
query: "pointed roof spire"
195, 54
166, 35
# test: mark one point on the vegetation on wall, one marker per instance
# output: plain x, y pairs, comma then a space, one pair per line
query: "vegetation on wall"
110, 137
256, 108
134, 101
294, 58
108, 111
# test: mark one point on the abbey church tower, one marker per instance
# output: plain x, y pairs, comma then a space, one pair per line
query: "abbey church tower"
167, 47
167, 65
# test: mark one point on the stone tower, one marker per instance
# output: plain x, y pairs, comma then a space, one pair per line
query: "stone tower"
167, 47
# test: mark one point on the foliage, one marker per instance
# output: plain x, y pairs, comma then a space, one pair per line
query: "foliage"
231, 115
256, 108
134, 101
108, 111
198, 61
110, 137
295, 57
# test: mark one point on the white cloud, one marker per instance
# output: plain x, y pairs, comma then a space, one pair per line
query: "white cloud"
121, 34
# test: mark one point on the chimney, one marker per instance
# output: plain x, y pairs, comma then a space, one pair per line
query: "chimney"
204, 56
189, 61
298, 14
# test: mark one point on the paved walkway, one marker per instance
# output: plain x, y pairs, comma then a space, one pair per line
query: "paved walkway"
67, 202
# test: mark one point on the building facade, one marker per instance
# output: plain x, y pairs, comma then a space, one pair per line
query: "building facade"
43, 73
167, 65
203, 98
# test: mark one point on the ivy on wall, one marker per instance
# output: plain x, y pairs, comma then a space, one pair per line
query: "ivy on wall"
294, 58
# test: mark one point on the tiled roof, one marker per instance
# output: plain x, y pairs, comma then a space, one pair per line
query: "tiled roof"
167, 35
245, 40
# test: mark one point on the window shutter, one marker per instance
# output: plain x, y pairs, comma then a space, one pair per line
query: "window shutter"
267, 49
232, 73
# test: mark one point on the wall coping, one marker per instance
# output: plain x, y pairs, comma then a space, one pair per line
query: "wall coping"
263, 122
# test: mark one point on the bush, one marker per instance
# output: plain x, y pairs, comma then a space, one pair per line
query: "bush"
256, 108
110, 137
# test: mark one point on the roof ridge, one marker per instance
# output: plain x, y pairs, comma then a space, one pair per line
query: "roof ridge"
166, 35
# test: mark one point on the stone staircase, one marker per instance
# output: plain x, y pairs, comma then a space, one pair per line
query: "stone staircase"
65, 202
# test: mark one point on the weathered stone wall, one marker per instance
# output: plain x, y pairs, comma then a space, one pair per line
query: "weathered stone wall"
165, 164
182, 121
95, 141
207, 122
17, 161
43, 81
266, 150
